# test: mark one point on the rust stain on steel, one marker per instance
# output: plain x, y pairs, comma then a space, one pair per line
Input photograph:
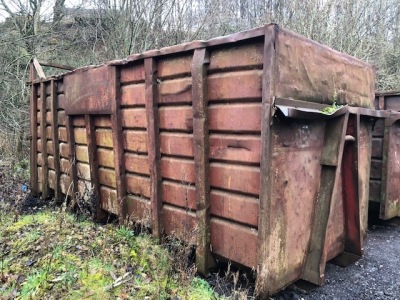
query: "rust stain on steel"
154, 155
45, 167
301, 76
119, 159
364, 167
351, 188
89, 91
390, 192
54, 136
228, 120
264, 287
331, 161
385, 164
201, 142
34, 138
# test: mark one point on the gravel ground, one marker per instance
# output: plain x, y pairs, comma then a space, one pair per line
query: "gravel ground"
375, 276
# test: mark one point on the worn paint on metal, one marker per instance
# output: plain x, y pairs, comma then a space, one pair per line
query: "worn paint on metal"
191, 141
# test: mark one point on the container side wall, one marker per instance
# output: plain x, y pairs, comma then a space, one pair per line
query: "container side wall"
315, 73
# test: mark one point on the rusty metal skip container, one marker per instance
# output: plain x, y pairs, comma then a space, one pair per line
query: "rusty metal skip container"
385, 159
222, 143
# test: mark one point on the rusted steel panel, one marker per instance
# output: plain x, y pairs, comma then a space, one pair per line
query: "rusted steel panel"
54, 135
102, 121
135, 141
182, 170
390, 189
60, 87
105, 158
377, 148
91, 154
119, 161
180, 223
80, 135
392, 102
138, 210
109, 200
379, 128
83, 170
134, 118
50, 160
89, 91
376, 169
132, 73
179, 194
364, 169
61, 118
239, 208
238, 178
176, 118
52, 179
72, 170
242, 85
201, 149
200, 142
61, 101
107, 177
238, 148
82, 153
138, 164
175, 91
375, 190
180, 144
64, 150
226, 59
65, 166
301, 76
331, 161
238, 243
296, 150
45, 170
175, 66
62, 133
154, 155
104, 138
235, 117
383, 186
133, 94
138, 185
79, 121
50, 148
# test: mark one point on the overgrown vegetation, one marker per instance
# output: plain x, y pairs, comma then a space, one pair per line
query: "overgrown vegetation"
56, 255
49, 253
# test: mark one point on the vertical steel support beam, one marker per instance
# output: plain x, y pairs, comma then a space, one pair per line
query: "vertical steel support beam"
151, 96
54, 136
73, 173
331, 162
34, 135
353, 242
204, 259
116, 125
263, 285
45, 166
98, 214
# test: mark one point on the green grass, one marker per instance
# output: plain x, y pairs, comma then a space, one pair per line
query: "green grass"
54, 255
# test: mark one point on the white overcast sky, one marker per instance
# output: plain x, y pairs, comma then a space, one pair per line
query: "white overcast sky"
47, 8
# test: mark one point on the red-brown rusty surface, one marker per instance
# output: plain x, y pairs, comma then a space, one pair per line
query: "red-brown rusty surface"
385, 164
186, 143
89, 91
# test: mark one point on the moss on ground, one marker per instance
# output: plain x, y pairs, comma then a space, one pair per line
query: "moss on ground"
55, 255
